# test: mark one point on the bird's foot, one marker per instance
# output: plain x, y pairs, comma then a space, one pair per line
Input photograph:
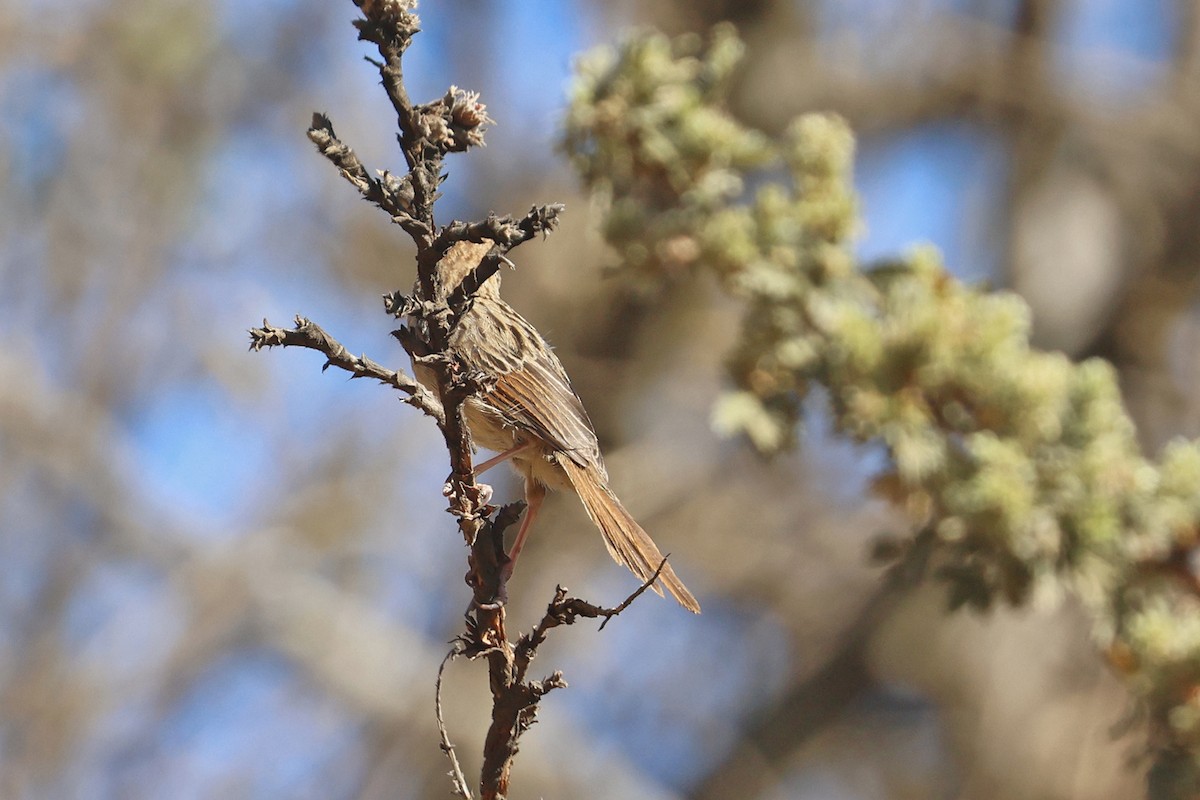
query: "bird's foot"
484, 491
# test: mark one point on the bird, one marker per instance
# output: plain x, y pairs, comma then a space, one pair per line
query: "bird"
533, 419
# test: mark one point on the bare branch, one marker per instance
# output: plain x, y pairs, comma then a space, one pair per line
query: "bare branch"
390, 26
310, 335
390, 192
564, 610
506, 232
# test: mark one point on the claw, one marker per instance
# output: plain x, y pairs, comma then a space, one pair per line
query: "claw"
483, 491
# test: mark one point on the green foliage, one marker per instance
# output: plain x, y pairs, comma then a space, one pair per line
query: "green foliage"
1022, 466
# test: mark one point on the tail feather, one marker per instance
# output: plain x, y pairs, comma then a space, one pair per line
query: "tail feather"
627, 542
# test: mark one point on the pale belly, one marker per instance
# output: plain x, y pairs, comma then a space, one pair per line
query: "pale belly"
489, 430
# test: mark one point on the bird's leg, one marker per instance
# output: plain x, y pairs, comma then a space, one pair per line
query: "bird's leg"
486, 465
535, 493
502, 457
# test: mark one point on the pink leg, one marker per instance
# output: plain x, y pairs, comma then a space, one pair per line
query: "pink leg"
535, 493
500, 459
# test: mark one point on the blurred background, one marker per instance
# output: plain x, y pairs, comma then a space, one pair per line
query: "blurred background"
226, 574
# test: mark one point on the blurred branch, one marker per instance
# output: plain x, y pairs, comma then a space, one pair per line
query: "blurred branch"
774, 734
1187, 46
962, 67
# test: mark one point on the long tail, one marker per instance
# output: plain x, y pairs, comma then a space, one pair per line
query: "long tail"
627, 542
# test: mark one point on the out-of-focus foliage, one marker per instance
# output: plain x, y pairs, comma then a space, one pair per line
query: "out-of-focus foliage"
654, 140
1019, 468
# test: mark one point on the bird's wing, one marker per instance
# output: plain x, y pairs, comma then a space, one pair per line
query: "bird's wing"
538, 395
532, 390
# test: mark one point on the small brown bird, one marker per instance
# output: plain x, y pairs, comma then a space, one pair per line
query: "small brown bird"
534, 420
